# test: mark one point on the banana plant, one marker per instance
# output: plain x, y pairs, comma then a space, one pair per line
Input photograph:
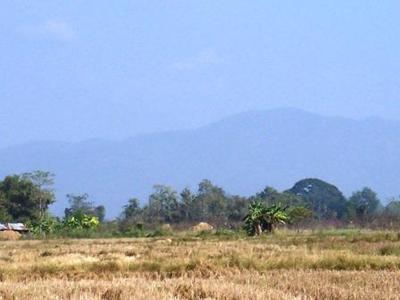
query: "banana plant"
261, 218
81, 221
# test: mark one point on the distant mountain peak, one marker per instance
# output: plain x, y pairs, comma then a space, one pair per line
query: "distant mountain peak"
242, 153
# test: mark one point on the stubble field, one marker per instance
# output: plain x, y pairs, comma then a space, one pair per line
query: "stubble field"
348, 264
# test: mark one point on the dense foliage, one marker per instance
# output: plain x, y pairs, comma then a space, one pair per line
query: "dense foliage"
261, 218
310, 202
324, 199
24, 198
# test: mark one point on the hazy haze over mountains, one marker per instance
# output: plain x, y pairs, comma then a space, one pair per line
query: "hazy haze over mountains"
75, 70
242, 153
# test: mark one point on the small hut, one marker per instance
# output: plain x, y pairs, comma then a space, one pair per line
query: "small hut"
17, 227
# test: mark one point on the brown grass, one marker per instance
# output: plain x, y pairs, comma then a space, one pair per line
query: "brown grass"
287, 265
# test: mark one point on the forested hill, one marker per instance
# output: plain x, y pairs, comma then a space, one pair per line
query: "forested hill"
242, 153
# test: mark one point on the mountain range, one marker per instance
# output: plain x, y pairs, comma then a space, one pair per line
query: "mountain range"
242, 153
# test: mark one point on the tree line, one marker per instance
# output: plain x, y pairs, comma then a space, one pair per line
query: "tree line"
27, 197
309, 202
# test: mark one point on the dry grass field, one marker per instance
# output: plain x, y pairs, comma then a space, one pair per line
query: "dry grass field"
346, 264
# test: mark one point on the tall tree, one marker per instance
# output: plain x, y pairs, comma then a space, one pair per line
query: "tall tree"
325, 199
187, 205
236, 208
270, 196
391, 212
44, 192
100, 213
78, 204
19, 199
163, 204
211, 201
132, 209
363, 204
81, 205
4, 215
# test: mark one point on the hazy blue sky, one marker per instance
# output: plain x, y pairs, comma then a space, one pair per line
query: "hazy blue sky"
71, 70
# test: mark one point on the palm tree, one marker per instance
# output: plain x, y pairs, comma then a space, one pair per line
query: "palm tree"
261, 218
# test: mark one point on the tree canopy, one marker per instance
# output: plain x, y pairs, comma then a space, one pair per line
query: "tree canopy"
324, 199
23, 200
27, 197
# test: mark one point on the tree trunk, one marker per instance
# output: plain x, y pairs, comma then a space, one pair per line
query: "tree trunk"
258, 229
269, 227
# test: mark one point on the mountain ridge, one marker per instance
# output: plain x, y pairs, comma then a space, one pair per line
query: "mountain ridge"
242, 153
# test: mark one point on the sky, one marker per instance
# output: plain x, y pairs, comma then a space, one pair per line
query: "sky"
75, 70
